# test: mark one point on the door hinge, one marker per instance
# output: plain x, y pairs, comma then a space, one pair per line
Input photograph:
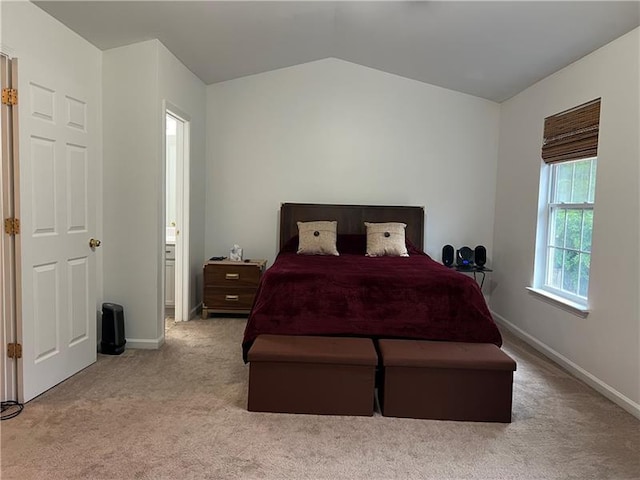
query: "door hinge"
12, 226
14, 350
9, 96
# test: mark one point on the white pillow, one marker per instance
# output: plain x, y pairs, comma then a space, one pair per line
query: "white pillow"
386, 239
317, 238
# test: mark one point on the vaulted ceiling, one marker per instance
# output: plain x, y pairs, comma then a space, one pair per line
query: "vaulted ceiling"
488, 49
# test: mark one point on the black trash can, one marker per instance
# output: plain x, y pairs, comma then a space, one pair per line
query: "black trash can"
113, 339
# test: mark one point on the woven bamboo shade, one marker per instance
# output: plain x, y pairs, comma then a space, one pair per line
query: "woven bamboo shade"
572, 134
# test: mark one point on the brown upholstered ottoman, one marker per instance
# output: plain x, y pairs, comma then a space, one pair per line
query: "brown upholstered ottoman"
446, 381
321, 375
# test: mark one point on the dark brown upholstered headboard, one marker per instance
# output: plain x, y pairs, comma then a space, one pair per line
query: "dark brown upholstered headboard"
351, 218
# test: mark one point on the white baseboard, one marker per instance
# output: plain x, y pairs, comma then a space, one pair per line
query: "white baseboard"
144, 343
594, 382
195, 311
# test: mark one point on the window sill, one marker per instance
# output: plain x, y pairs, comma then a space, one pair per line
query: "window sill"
563, 303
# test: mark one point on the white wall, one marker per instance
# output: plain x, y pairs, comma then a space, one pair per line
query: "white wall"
131, 183
136, 79
604, 348
334, 132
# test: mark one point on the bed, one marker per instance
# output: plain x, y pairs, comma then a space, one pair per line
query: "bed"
351, 294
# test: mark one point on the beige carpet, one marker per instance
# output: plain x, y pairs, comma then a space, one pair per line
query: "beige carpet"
180, 413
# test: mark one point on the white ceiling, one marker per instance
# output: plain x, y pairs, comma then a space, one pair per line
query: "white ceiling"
488, 49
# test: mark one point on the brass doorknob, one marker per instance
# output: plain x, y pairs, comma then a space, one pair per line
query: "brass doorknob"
93, 243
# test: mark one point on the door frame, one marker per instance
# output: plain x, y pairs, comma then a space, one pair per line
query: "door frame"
10, 291
183, 169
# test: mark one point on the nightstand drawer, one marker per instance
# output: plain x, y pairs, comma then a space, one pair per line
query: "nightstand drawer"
229, 298
230, 287
232, 275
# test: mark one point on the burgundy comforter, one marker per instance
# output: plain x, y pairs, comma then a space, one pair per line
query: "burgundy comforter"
383, 297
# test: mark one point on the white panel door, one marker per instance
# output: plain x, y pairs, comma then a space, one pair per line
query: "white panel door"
58, 152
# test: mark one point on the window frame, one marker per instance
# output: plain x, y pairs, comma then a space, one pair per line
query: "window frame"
544, 255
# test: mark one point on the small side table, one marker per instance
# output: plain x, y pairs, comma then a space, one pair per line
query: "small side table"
475, 270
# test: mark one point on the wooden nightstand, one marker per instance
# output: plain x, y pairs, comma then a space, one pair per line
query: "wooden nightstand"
230, 287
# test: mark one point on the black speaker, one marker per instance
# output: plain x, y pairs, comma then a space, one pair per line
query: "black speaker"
464, 258
113, 339
447, 255
480, 256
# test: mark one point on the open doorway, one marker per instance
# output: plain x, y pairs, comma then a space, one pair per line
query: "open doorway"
176, 231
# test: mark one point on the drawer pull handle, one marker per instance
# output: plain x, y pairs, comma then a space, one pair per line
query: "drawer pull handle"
231, 298
232, 276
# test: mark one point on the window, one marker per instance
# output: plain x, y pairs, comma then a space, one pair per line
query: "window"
567, 193
569, 227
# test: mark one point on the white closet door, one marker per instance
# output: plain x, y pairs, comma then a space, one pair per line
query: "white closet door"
58, 152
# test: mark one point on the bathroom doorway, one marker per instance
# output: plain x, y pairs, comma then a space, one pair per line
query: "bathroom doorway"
176, 207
